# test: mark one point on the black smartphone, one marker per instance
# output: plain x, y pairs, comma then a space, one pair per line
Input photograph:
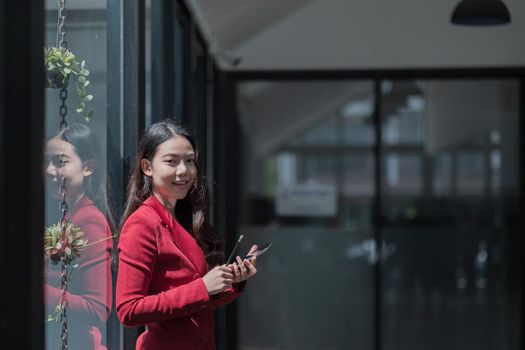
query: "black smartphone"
263, 249
234, 249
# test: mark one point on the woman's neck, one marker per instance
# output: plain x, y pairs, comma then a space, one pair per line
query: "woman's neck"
167, 203
73, 200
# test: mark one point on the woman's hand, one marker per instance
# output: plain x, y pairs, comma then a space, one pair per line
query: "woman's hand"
242, 270
218, 279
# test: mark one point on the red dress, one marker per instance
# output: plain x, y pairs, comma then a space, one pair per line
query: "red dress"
160, 284
90, 289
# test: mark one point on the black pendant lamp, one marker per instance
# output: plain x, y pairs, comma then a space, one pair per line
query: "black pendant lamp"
480, 13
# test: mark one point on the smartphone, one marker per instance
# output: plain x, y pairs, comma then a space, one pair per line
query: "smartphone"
263, 249
234, 249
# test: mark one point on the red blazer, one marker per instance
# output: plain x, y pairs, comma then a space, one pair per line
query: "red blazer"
89, 294
160, 284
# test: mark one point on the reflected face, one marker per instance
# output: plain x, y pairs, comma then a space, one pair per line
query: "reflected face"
62, 159
173, 170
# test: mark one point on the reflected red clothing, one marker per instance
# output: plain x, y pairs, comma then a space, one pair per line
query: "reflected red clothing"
160, 284
89, 294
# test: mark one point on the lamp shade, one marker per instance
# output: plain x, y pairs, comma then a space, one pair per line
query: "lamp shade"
480, 12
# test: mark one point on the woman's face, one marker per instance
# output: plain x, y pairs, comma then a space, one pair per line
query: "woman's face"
173, 170
62, 159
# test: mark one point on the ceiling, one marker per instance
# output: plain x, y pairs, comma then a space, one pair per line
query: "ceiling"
357, 34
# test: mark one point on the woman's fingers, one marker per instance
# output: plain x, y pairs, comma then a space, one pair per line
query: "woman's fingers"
250, 264
226, 268
242, 267
218, 279
247, 268
253, 249
227, 273
236, 270
240, 270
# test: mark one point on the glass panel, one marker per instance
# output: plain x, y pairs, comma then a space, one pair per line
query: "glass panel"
78, 156
450, 278
442, 177
357, 120
308, 187
322, 134
317, 169
402, 107
358, 170
403, 174
495, 171
471, 173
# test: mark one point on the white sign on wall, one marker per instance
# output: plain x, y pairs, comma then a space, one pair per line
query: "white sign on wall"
306, 200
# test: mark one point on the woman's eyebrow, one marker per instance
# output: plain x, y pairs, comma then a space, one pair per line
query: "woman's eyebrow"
189, 154
59, 155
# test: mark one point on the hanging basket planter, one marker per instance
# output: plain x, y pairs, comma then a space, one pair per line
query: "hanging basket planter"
61, 64
55, 79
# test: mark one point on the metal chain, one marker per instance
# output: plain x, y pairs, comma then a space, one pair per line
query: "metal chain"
63, 108
63, 306
61, 42
63, 203
64, 242
61, 30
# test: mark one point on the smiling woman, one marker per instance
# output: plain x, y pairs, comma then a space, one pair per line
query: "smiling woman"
170, 273
172, 170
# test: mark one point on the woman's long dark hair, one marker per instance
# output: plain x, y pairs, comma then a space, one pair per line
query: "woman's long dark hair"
192, 212
88, 149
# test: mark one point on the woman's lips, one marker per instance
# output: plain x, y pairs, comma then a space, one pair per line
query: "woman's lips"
180, 183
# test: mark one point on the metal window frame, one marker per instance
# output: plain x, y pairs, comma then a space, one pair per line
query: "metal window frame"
162, 59
517, 241
182, 60
21, 183
126, 118
226, 170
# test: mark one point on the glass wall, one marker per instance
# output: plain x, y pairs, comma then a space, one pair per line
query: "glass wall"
308, 186
75, 175
444, 242
451, 179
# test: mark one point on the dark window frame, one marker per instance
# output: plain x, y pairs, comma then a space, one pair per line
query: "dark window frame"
22, 188
126, 119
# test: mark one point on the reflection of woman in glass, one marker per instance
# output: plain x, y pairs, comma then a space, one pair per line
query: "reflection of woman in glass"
170, 278
74, 154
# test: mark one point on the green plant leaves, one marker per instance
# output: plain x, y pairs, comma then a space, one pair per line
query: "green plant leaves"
61, 61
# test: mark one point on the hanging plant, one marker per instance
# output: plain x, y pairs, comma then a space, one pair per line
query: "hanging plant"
63, 248
61, 64
66, 248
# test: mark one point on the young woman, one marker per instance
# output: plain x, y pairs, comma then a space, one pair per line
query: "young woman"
170, 277
74, 154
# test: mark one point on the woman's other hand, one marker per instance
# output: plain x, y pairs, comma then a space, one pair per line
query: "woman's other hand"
218, 279
242, 270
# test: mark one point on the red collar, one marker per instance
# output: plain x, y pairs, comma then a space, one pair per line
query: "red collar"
164, 214
182, 238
